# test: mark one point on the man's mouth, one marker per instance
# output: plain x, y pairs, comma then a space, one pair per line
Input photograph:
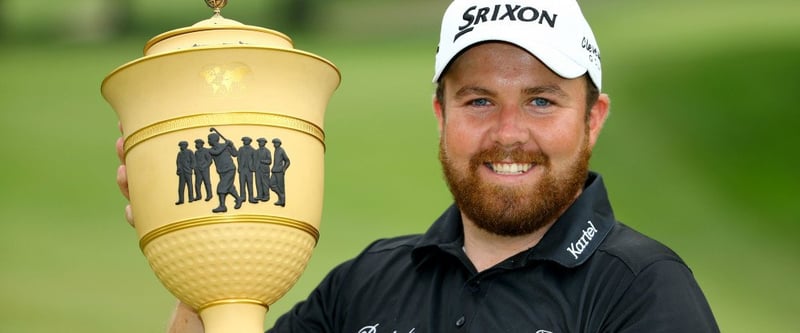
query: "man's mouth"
509, 168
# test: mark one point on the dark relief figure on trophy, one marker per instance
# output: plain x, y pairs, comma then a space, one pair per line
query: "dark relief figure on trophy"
222, 153
263, 163
202, 167
279, 165
247, 167
185, 166
259, 171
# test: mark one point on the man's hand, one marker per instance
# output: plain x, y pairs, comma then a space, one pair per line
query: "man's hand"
185, 320
122, 179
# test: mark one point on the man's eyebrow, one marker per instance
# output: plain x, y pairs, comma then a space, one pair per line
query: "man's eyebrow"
546, 89
538, 90
473, 90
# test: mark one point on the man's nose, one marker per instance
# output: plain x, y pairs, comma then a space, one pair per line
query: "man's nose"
510, 128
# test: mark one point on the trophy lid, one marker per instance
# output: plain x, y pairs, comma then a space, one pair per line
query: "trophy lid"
216, 31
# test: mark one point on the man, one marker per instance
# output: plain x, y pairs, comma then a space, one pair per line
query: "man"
277, 181
531, 243
223, 153
185, 165
202, 170
247, 166
263, 162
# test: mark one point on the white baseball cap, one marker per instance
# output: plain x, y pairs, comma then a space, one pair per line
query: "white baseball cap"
554, 31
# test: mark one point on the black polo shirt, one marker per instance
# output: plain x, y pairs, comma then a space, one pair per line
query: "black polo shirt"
589, 273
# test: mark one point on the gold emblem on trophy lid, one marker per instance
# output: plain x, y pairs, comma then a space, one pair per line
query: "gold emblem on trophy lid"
216, 5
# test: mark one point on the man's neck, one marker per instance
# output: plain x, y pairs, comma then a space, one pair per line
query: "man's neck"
485, 249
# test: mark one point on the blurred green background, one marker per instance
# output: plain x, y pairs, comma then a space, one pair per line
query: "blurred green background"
699, 151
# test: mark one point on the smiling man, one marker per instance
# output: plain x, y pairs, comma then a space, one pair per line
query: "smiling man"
531, 243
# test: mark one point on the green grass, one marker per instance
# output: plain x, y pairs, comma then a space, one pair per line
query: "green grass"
698, 153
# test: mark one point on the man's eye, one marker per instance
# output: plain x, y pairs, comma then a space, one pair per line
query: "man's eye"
541, 102
480, 102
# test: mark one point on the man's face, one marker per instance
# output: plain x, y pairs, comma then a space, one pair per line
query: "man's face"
515, 139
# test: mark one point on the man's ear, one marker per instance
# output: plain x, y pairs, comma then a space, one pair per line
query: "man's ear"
439, 113
597, 118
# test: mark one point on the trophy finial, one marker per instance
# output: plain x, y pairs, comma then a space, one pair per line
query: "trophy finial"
216, 5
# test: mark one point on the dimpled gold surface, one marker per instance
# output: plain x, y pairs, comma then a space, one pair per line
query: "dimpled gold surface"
230, 261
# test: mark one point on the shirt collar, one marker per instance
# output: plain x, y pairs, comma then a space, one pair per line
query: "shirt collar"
574, 237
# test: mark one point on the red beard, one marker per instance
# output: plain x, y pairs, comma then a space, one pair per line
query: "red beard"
514, 210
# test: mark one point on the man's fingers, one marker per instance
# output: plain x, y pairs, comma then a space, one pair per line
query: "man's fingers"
120, 152
122, 181
122, 176
129, 215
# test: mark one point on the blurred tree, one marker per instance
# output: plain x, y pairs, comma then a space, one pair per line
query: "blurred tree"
121, 13
95, 20
296, 15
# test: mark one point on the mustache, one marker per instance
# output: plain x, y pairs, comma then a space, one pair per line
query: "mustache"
517, 155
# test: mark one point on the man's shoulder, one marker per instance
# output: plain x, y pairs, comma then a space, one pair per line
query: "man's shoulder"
385, 254
636, 250
387, 245
382, 259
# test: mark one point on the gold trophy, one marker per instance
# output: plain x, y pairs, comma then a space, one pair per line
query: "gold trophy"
226, 118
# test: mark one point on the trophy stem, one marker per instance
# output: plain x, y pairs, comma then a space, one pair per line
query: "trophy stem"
234, 318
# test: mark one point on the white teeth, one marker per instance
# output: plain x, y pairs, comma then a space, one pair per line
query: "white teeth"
510, 168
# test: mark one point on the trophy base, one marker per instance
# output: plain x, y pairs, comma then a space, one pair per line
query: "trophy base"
234, 317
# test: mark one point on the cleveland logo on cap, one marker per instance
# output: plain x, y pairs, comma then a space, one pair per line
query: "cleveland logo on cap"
474, 15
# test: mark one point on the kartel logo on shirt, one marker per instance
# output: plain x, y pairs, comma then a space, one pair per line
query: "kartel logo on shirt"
576, 248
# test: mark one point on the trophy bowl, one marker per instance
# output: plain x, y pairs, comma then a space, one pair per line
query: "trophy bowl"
224, 146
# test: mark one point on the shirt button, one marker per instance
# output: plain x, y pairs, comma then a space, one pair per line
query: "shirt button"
460, 322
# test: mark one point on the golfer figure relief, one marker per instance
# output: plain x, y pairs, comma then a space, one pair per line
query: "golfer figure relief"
202, 167
263, 164
222, 153
185, 166
279, 165
247, 166
259, 171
